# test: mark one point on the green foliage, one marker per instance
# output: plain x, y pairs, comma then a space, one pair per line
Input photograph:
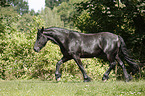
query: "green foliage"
16, 44
32, 12
21, 6
66, 11
53, 3
51, 17
85, 20
5, 3
63, 9
60, 11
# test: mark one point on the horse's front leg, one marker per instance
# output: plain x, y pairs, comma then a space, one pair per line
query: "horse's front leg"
79, 63
110, 57
57, 73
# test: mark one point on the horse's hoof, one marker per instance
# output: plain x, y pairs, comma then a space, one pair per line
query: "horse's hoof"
104, 80
87, 79
58, 79
129, 78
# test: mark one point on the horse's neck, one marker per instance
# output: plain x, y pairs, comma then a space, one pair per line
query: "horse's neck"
61, 42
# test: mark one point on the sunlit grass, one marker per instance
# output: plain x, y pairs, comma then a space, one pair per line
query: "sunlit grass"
94, 88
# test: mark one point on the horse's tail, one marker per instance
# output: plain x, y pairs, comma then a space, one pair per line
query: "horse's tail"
134, 66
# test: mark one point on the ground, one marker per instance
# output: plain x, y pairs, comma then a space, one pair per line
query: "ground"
78, 88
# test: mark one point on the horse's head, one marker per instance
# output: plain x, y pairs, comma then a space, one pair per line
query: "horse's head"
41, 40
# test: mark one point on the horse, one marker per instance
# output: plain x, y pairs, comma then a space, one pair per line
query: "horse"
76, 45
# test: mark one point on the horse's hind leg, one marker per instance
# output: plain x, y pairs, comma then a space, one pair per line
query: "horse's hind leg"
106, 75
57, 74
126, 75
112, 66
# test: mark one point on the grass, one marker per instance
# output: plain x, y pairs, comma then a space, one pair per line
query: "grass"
94, 88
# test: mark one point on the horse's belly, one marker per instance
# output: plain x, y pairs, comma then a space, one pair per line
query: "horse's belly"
90, 53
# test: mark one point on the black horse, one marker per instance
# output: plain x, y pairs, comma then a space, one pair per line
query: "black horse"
75, 45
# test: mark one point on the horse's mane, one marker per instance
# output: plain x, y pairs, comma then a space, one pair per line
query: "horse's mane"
65, 30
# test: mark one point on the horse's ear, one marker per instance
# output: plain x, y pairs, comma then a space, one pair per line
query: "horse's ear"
42, 29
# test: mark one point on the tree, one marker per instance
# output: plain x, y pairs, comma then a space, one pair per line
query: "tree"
54, 3
66, 11
21, 6
51, 17
5, 3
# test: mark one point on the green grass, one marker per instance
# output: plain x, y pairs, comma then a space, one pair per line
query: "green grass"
94, 88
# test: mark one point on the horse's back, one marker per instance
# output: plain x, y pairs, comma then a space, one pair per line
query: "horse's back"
100, 42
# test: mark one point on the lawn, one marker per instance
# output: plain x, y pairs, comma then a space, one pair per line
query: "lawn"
94, 88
